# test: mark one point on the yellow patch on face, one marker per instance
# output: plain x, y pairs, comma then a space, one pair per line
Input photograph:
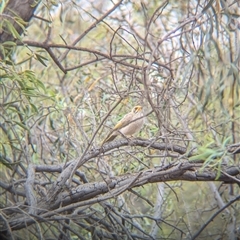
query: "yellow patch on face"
137, 109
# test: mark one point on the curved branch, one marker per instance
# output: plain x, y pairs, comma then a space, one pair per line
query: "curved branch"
213, 216
121, 59
68, 198
91, 193
65, 175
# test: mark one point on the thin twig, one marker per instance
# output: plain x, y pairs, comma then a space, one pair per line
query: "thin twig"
213, 216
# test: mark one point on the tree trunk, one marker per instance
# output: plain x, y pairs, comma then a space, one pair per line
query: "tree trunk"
14, 12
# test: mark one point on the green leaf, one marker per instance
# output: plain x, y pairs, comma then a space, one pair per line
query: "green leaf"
38, 83
9, 43
226, 141
40, 59
5, 163
12, 29
34, 108
2, 5
21, 125
204, 154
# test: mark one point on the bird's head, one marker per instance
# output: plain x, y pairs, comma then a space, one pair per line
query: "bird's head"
137, 109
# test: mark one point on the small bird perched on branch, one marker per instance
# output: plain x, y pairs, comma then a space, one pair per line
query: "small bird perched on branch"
130, 124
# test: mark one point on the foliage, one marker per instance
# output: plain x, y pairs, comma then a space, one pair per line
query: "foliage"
79, 67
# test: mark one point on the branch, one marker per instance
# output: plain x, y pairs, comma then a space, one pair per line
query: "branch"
29, 188
178, 171
91, 193
121, 59
91, 27
68, 198
172, 172
213, 216
65, 175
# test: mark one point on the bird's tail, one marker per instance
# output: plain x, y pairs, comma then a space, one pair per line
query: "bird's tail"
110, 138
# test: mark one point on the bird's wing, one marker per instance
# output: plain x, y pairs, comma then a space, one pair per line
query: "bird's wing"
124, 121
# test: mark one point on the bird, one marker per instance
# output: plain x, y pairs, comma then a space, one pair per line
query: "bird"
130, 124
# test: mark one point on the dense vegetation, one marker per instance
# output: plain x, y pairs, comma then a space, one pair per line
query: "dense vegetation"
70, 70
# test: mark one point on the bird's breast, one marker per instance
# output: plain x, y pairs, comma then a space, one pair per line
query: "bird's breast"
132, 127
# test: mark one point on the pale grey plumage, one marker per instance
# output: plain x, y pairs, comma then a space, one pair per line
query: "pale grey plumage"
130, 124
